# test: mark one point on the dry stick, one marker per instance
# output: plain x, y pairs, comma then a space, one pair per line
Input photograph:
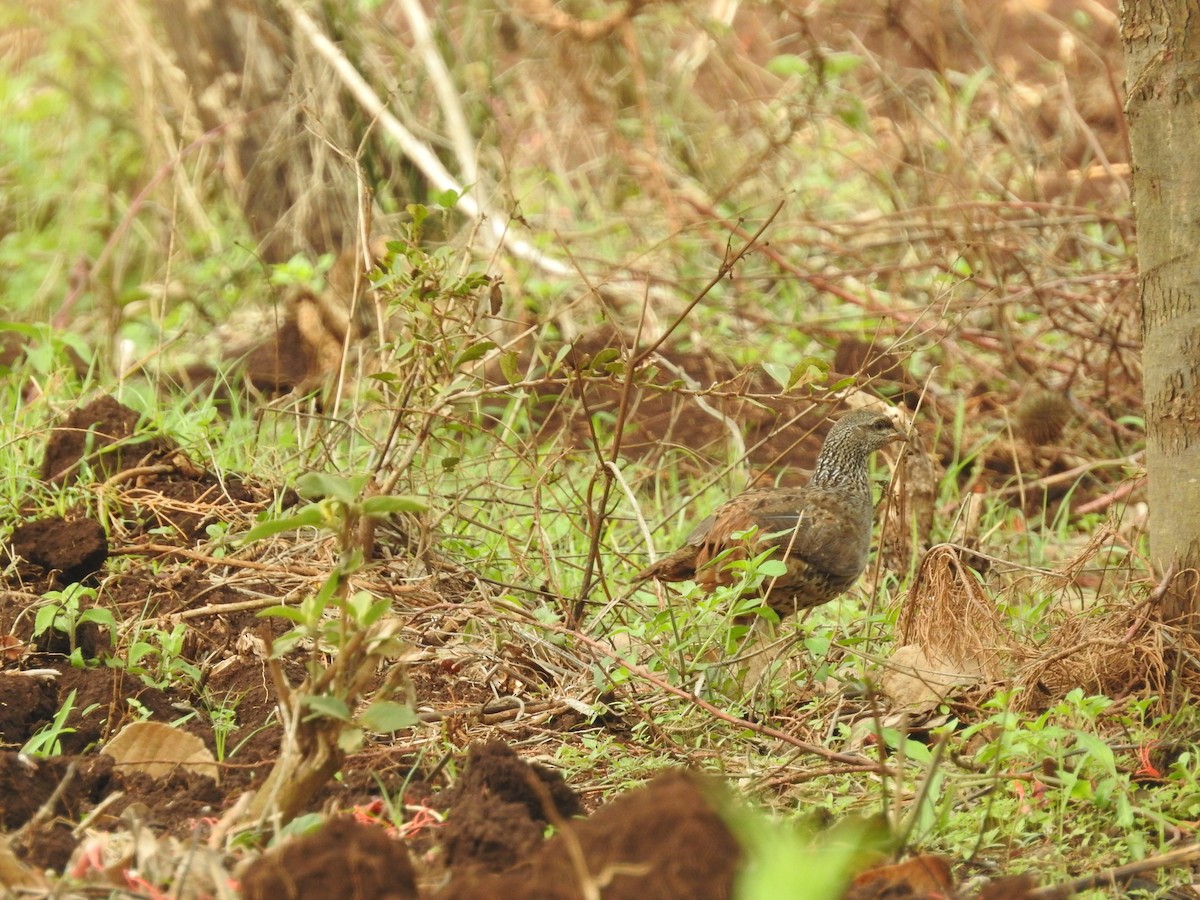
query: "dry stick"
138, 472
447, 93
1107, 500
819, 282
289, 568
496, 711
1183, 856
596, 515
715, 711
599, 513
724, 271
1150, 603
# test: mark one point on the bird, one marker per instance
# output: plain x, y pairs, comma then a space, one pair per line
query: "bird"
821, 531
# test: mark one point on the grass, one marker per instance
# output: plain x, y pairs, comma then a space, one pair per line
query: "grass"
519, 451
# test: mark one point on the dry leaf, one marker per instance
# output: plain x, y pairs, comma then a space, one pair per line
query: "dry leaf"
157, 749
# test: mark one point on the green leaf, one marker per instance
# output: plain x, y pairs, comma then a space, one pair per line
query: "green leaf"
347, 489
843, 383
137, 652
100, 616
841, 63
328, 707
350, 740
563, 352
780, 373
447, 199
603, 359
853, 112
472, 353
365, 609
1080, 789
388, 716
419, 214
302, 825
960, 266
393, 503
315, 605
1098, 750
772, 568
351, 562
809, 370
285, 643
789, 65
281, 612
44, 620
509, 366
311, 515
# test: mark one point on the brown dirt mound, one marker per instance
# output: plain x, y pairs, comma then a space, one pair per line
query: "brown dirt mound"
27, 783
102, 434
498, 809
658, 842
75, 549
343, 858
25, 703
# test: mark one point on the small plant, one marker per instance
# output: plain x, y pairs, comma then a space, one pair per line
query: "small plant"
63, 611
223, 717
322, 721
300, 271
156, 656
145, 713
47, 742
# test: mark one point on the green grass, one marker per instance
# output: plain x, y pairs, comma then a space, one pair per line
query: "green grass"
917, 252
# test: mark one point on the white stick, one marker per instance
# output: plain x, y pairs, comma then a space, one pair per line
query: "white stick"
420, 155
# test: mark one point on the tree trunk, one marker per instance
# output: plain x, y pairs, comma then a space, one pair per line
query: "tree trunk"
1162, 53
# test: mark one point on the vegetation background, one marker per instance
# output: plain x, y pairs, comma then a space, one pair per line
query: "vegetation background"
636, 255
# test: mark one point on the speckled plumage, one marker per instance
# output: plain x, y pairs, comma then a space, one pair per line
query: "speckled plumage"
822, 531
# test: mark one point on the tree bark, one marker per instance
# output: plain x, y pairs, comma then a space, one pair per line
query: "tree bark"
1162, 53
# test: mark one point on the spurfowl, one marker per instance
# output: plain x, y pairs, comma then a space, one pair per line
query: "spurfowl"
822, 531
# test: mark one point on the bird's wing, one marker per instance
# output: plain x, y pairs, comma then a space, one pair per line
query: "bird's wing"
828, 529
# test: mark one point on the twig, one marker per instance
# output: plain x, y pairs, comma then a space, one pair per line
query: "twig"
599, 512
727, 422
1115, 496
166, 549
447, 94
725, 271
96, 811
1119, 874
1068, 476
604, 650
1150, 603
496, 711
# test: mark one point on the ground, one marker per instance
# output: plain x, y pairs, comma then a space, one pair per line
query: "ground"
480, 834
495, 814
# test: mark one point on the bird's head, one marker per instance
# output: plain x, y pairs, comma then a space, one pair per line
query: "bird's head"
868, 429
